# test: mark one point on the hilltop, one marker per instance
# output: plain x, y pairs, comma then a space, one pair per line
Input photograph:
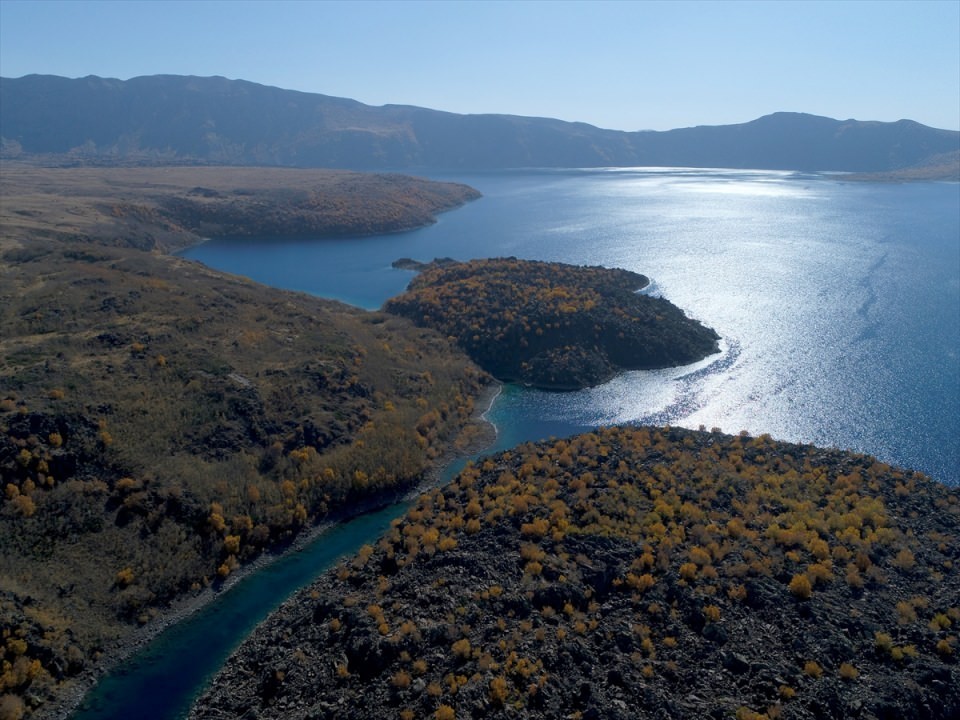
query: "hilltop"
631, 573
162, 424
551, 325
171, 119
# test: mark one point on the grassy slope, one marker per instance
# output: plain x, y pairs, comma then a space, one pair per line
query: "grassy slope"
940, 167
631, 573
161, 424
168, 208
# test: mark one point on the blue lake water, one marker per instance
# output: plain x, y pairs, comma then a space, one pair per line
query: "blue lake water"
838, 302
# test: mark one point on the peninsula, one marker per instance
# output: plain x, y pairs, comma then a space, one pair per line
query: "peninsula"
631, 573
169, 208
551, 325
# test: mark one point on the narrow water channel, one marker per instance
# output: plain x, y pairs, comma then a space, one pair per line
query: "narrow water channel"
832, 362
162, 681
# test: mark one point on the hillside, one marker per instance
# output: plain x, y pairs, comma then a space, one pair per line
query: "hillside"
168, 119
163, 424
631, 573
552, 325
170, 208
942, 167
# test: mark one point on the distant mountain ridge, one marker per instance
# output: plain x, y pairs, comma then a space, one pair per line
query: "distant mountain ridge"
187, 119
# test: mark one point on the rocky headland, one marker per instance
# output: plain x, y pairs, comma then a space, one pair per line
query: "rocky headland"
631, 573
169, 208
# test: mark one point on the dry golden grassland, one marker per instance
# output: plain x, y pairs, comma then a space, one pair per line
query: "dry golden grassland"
171, 207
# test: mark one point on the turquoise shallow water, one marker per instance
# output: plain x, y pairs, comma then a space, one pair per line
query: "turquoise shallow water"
161, 682
839, 305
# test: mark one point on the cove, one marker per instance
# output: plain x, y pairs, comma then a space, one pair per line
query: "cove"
161, 681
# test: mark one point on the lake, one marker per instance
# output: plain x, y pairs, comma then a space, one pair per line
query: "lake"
838, 302
839, 305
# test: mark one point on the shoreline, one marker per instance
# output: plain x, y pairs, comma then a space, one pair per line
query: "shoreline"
178, 251
81, 193
184, 608
484, 440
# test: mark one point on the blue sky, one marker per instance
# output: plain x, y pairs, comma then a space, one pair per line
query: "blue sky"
623, 65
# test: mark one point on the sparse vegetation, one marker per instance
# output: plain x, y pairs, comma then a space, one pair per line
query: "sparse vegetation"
167, 208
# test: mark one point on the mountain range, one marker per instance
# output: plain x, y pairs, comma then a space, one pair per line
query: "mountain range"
214, 120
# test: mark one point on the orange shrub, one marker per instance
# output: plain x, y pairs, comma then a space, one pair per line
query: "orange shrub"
848, 672
800, 587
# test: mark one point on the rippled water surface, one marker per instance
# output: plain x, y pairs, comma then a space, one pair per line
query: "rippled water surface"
838, 303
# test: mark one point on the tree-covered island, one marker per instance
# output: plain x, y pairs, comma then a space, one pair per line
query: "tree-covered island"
551, 325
